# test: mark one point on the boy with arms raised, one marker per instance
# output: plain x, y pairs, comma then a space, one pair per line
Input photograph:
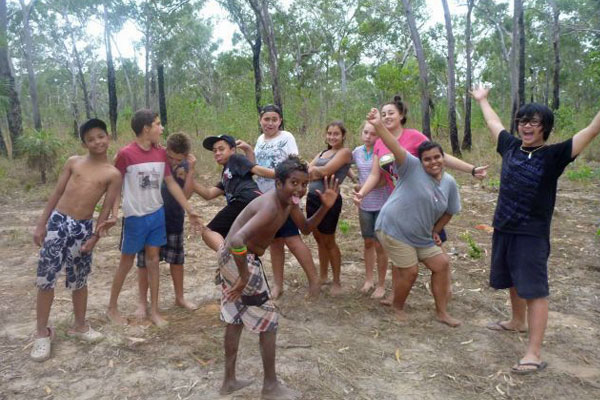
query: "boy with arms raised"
236, 184
181, 162
521, 240
143, 165
65, 231
245, 298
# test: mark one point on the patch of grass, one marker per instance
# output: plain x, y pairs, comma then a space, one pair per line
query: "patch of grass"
344, 226
475, 251
583, 173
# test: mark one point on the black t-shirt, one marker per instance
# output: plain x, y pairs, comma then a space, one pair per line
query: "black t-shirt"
236, 180
528, 185
174, 213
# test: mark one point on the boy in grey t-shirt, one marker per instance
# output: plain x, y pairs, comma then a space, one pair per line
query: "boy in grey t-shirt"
408, 226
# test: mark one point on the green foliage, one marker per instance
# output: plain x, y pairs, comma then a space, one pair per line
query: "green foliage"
344, 226
41, 149
598, 232
583, 173
475, 251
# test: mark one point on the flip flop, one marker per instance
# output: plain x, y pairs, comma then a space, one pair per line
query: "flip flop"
538, 367
497, 326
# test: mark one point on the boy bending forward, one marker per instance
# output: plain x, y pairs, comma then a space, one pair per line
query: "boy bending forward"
245, 298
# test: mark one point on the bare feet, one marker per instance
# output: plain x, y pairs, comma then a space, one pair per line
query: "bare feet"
276, 292
158, 320
378, 293
115, 317
448, 320
387, 301
323, 281
140, 312
400, 315
234, 385
314, 291
336, 289
279, 391
366, 287
186, 304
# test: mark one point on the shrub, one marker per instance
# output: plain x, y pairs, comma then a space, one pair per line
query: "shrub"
41, 149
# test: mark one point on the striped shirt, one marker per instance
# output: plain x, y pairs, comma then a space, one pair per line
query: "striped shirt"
376, 197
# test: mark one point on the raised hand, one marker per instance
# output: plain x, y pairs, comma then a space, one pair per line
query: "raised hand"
480, 172
480, 92
374, 118
240, 144
191, 159
331, 191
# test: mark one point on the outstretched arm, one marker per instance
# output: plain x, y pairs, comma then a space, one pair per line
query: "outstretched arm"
460, 165
371, 183
247, 149
492, 120
328, 198
178, 195
262, 171
585, 136
40, 229
207, 193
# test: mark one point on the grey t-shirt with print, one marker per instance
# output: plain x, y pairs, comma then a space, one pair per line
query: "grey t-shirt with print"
417, 202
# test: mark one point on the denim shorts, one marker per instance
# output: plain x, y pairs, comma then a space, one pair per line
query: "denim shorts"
367, 223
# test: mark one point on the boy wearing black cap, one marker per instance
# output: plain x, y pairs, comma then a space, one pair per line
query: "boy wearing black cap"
65, 233
236, 184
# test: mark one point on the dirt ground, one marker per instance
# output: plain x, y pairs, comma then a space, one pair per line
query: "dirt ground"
347, 347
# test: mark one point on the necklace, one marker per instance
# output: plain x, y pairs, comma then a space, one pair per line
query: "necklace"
532, 151
368, 154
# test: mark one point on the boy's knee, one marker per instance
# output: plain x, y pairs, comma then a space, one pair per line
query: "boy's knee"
370, 243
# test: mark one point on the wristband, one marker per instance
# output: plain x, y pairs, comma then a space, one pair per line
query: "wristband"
238, 251
473, 171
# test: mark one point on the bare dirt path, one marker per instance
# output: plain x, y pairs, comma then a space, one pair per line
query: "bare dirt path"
334, 348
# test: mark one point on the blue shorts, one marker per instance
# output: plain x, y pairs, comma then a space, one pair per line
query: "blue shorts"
520, 261
367, 220
62, 244
147, 230
172, 252
288, 229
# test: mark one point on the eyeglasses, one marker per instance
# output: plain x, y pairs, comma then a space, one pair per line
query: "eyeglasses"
534, 123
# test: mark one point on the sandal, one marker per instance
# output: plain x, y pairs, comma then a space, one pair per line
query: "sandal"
90, 336
535, 367
42, 347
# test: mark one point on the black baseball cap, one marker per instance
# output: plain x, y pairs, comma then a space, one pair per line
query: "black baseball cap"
210, 141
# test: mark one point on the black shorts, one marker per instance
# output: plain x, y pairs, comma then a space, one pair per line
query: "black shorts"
520, 261
288, 229
222, 222
329, 223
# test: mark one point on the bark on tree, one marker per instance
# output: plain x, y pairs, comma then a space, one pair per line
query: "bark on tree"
423, 74
162, 102
111, 81
147, 43
81, 79
132, 94
451, 83
3, 149
35, 108
556, 49
261, 7
466, 143
517, 63
13, 113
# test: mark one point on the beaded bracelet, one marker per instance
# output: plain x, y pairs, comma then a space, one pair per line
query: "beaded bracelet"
238, 251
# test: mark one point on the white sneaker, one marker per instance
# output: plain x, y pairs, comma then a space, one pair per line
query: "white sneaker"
42, 347
90, 336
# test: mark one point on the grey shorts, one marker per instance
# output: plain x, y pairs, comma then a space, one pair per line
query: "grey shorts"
367, 223
62, 247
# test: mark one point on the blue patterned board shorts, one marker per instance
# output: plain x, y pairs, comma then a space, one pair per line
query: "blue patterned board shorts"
62, 244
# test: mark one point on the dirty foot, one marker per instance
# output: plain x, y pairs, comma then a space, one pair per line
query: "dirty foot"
276, 292
387, 301
233, 386
115, 317
400, 315
378, 293
366, 287
279, 391
336, 289
186, 304
140, 312
448, 320
158, 320
323, 281
314, 291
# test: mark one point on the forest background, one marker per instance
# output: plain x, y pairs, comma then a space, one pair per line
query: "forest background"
320, 60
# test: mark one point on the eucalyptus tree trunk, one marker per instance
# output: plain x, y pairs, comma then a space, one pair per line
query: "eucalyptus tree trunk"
423, 74
147, 43
82, 83
451, 83
13, 112
466, 143
111, 81
261, 7
35, 108
162, 102
132, 94
555, 47
517, 63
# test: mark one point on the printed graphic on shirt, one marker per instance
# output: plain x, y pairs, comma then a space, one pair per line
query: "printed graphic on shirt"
149, 179
386, 162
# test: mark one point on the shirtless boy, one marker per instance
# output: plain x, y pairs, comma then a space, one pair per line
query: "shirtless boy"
65, 232
245, 293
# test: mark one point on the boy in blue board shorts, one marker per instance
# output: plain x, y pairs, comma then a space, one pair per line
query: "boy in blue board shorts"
66, 235
181, 163
144, 165
521, 241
